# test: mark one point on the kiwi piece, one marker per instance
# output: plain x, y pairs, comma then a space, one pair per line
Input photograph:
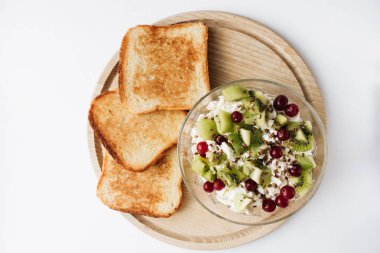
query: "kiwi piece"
260, 96
293, 126
236, 142
199, 165
261, 120
249, 118
301, 140
300, 136
206, 129
216, 159
240, 202
294, 180
279, 121
233, 93
256, 175
302, 146
209, 175
246, 136
239, 174
306, 162
252, 105
231, 177
308, 128
304, 184
226, 177
266, 177
256, 142
223, 122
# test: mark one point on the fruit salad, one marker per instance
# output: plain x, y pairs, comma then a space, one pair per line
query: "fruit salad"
253, 150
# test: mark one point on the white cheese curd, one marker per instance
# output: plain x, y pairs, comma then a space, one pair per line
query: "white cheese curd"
260, 189
228, 106
275, 180
272, 192
219, 167
195, 138
267, 137
213, 147
296, 118
245, 155
201, 116
272, 115
228, 151
240, 162
212, 105
236, 198
194, 149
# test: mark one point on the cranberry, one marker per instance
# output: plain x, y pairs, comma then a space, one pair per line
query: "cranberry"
280, 102
236, 117
281, 201
219, 139
250, 185
283, 134
202, 148
208, 186
275, 152
218, 184
268, 205
295, 170
291, 110
288, 192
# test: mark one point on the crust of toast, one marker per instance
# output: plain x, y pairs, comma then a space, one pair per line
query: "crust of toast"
124, 64
113, 146
142, 192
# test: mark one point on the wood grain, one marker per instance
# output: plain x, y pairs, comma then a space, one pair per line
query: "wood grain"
238, 48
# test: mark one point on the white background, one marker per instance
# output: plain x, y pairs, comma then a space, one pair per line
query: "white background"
51, 55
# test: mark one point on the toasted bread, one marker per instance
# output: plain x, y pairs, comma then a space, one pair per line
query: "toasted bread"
155, 192
163, 67
134, 141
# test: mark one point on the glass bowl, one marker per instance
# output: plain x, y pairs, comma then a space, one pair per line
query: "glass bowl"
258, 216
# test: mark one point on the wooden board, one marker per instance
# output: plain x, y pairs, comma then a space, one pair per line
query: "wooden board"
238, 48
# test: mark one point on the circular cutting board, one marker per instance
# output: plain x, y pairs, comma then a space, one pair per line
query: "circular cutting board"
238, 48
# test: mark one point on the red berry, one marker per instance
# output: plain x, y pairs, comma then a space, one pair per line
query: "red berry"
202, 148
288, 192
268, 205
275, 152
283, 134
281, 201
250, 185
280, 102
208, 186
295, 170
236, 117
219, 139
218, 184
291, 110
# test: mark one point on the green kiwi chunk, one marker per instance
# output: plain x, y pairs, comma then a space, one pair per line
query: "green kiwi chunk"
233, 93
304, 184
206, 129
224, 122
306, 162
279, 121
237, 143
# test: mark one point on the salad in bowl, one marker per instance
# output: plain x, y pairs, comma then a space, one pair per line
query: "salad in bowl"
252, 152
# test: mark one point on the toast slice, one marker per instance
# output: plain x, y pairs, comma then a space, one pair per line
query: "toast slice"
134, 141
163, 67
155, 192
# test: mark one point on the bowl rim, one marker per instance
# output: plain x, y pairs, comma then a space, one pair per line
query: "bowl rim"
312, 111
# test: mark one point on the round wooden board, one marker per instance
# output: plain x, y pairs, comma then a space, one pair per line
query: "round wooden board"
238, 48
